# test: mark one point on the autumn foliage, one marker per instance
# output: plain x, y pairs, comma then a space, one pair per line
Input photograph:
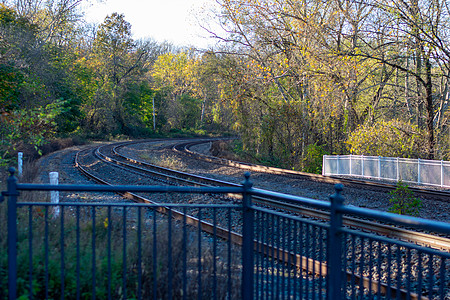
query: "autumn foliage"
292, 79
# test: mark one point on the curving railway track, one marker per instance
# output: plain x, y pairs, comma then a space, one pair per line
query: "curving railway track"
184, 148
112, 157
424, 239
109, 154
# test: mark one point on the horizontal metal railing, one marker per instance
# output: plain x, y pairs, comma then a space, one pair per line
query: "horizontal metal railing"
131, 250
421, 171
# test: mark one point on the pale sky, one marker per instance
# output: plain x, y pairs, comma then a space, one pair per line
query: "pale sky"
163, 20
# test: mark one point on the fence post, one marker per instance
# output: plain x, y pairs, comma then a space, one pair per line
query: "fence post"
379, 167
418, 170
362, 165
337, 165
335, 274
442, 173
19, 164
350, 168
12, 233
398, 171
247, 240
323, 164
54, 195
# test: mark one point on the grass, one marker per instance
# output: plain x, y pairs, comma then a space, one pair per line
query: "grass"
165, 160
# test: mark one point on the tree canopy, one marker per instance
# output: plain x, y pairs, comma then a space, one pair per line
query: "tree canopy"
294, 79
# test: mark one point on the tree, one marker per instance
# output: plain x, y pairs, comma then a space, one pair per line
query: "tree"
57, 20
117, 60
176, 77
416, 30
326, 68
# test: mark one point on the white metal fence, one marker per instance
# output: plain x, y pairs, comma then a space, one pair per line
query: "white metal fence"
421, 171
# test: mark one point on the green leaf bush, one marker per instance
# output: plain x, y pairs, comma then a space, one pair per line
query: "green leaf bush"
393, 138
403, 201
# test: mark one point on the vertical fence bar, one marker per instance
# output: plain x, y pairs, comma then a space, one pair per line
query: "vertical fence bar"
124, 253
419, 271
247, 241
155, 253
379, 252
93, 254
199, 255
370, 265
109, 253
323, 164
63, 275
398, 171
139, 238
362, 165
361, 263
353, 266
214, 254
350, 165
295, 235
259, 249
409, 267
12, 234
272, 273
335, 243
379, 167
77, 233
308, 253
277, 241
418, 170
300, 250
184, 246
389, 273
30, 250
170, 254
289, 249
46, 250
283, 266
229, 254
337, 165
442, 173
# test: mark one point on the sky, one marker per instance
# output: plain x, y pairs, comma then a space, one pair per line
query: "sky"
174, 21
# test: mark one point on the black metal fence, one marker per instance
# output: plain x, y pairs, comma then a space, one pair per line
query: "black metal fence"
226, 251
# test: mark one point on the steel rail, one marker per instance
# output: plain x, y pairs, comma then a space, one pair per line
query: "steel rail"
183, 148
284, 256
424, 239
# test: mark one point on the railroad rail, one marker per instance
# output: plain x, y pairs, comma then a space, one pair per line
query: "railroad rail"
424, 239
184, 148
300, 261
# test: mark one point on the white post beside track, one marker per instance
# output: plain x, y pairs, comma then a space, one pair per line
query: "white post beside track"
19, 163
54, 195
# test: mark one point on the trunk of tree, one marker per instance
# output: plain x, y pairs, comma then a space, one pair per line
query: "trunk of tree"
429, 108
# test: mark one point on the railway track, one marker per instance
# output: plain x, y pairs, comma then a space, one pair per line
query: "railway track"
184, 148
424, 239
111, 155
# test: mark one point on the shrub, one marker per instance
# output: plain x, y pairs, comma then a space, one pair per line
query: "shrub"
388, 138
403, 201
312, 163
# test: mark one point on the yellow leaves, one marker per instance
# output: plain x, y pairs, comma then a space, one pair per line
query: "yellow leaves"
179, 73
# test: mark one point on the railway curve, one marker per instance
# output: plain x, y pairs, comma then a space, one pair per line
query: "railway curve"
170, 176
